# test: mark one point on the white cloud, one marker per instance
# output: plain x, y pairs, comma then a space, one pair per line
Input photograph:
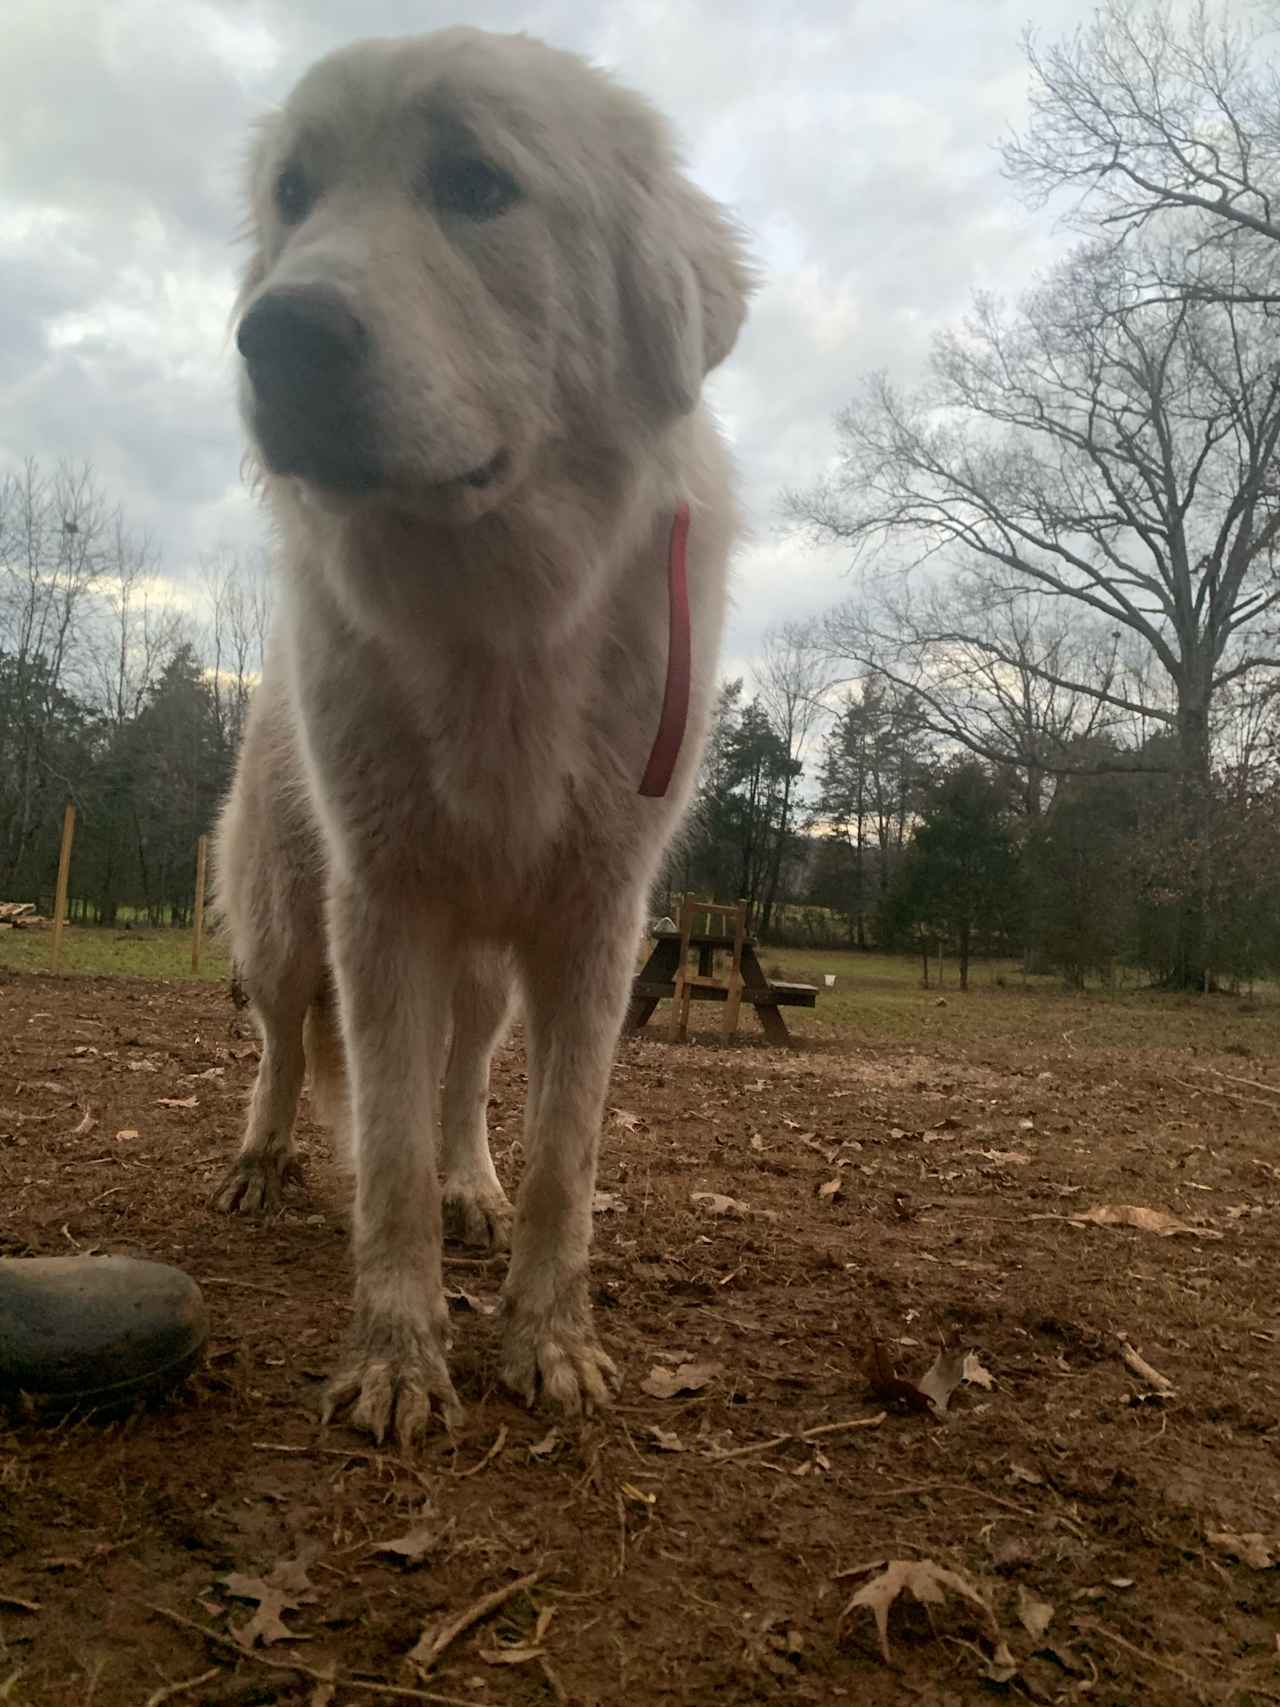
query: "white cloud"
856, 143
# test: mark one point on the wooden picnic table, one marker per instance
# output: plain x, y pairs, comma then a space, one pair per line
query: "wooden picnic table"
656, 982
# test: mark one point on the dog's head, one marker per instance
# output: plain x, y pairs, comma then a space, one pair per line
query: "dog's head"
468, 249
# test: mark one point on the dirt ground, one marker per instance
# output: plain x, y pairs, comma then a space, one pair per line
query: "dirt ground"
1110, 1536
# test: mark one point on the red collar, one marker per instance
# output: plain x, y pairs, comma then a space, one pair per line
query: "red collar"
675, 699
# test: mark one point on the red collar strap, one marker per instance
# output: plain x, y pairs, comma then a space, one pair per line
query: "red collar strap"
675, 698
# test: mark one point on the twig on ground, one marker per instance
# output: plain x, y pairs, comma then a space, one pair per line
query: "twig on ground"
398, 1691
1236, 1079
500, 1440
171, 1690
804, 1434
426, 1654
1097, 1629
952, 1488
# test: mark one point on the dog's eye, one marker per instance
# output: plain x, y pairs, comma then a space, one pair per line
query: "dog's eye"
472, 188
294, 195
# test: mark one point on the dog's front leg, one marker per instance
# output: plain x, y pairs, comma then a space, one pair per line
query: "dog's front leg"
393, 971
577, 981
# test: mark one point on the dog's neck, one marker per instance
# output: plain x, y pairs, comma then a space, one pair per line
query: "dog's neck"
526, 577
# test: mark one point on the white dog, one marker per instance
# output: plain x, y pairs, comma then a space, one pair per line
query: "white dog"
474, 332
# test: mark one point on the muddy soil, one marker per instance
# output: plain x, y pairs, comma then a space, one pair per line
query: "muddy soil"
785, 1241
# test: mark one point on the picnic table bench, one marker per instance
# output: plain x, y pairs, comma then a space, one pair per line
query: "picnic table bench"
656, 982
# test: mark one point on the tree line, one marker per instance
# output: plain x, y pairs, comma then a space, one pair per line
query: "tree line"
111, 697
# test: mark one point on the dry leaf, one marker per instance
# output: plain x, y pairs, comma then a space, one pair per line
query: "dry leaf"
929, 1583
626, 1121
831, 1189
414, 1545
688, 1378
546, 1446
177, 1102
13, 1603
715, 1204
286, 1588
1146, 1220
88, 1120
891, 1387
974, 1374
665, 1439
1020, 1473
1034, 1615
1250, 1549
125, 1133
941, 1379
607, 1203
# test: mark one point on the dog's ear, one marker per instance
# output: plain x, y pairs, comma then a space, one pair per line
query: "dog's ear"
684, 279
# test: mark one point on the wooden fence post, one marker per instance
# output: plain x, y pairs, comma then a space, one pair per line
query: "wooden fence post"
202, 849
64, 871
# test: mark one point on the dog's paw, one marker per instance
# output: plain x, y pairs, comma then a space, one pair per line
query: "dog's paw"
477, 1214
256, 1184
556, 1356
394, 1381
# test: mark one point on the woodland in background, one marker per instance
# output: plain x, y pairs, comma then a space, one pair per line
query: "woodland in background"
1044, 725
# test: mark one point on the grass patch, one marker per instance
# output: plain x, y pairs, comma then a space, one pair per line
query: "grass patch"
158, 953
877, 999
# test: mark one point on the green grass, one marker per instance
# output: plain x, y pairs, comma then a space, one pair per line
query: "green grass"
876, 998
879, 998
139, 953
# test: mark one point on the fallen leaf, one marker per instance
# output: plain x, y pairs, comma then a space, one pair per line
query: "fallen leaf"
1120, 1582
626, 1121
639, 1495
125, 1133
928, 1582
284, 1589
1146, 1220
688, 1378
665, 1439
1250, 1549
546, 1446
888, 1385
414, 1545
1001, 1667
715, 1204
941, 1379
177, 1102
1020, 1473
607, 1203
1034, 1615
142, 1066
831, 1189
15, 1604
974, 1374
88, 1120
266, 1625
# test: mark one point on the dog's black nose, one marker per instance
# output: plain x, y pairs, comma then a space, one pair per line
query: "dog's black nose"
296, 335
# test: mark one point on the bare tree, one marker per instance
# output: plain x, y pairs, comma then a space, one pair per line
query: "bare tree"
237, 590
792, 678
991, 666
54, 531
1107, 452
1155, 112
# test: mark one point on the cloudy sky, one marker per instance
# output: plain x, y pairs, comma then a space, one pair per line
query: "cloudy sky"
853, 137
